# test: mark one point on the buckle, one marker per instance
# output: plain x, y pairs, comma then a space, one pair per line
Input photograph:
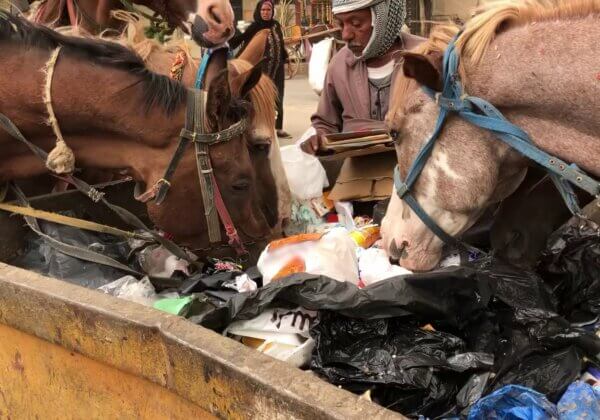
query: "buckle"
401, 189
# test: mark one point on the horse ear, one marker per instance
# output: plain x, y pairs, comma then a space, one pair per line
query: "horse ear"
425, 69
218, 62
219, 97
253, 78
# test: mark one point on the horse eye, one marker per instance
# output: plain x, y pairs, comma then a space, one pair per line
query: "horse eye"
241, 185
395, 135
261, 147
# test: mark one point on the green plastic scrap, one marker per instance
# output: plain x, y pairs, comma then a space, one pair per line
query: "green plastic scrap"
175, 306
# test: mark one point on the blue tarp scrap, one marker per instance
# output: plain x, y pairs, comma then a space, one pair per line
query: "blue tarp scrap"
580, 401
514, 402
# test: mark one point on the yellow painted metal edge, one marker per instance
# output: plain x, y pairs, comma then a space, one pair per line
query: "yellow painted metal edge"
218, 374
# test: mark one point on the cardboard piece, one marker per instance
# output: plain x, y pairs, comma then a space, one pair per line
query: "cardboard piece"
339, 146
365, 178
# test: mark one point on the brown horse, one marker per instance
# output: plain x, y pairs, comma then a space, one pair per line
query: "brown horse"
210, 22
176, 60
116, 114
515, 55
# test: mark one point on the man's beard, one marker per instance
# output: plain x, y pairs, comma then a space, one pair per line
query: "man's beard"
356, 49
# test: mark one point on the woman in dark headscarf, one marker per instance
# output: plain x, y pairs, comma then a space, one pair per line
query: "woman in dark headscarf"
275, 54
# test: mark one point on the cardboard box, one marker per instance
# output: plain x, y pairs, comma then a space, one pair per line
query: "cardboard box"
365, 178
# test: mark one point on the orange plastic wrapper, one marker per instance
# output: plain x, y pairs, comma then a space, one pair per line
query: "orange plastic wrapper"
293, 266
366, 237
296, 239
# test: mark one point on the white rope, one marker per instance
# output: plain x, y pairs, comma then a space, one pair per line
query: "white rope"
61, 159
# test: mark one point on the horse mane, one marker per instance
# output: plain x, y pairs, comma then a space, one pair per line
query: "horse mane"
498, 16
262, 97
488, 21
159, 90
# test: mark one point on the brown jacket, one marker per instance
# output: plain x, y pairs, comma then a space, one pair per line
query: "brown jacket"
345, 101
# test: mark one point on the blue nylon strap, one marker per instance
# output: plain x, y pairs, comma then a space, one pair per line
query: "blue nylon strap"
484, 115
202, 69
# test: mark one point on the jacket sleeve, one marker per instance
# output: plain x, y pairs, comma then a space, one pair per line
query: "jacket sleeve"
243, 38
328, 118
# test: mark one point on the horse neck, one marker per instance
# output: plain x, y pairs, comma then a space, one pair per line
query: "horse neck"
100, 111
547, 86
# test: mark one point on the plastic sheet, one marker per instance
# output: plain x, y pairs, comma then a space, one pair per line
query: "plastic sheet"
516, 403
132, 289
43, 259
305, 174
580, 401
571, 264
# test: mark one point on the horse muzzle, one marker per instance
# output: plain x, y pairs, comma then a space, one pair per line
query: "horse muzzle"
213, 28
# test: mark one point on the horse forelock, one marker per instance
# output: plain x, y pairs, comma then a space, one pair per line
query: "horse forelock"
159, 90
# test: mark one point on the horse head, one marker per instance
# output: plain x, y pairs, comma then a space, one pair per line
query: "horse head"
240, 166
469, 169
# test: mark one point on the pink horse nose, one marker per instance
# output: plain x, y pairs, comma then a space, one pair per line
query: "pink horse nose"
219, 16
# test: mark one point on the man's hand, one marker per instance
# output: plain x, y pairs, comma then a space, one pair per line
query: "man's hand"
312, 145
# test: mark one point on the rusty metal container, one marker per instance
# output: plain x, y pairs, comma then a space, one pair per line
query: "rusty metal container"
70, 352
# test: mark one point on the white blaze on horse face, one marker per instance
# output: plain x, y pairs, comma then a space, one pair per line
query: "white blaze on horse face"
423, 248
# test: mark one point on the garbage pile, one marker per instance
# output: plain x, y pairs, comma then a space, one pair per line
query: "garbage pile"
474, 339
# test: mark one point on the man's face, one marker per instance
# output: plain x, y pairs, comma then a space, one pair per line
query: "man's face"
356, 29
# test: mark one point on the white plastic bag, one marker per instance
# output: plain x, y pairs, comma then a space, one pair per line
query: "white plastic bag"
334, 255
157, 261
319, 61
374, 266
280, 333
305, 174
129, 288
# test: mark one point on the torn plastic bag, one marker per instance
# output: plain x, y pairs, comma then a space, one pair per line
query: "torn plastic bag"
516, 403
132, 289
547, 372
279, 333
580, 401
398, 361
44, 259
571, 264
454, 295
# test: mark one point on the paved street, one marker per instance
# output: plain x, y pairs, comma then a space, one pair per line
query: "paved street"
299, 103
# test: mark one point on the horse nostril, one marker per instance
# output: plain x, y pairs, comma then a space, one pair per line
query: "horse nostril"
213, 14
398, 252
227, 33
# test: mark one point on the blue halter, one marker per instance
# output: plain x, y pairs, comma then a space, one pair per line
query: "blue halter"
482, 114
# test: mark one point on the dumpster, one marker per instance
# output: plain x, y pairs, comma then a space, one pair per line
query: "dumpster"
67, 351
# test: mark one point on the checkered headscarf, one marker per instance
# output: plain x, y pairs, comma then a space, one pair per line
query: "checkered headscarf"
388, 18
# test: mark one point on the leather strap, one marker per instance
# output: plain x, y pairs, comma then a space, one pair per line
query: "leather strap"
205, 171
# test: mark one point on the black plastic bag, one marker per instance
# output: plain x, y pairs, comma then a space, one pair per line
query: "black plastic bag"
44, 259
453, 295
571, 264
550, 373
407, 368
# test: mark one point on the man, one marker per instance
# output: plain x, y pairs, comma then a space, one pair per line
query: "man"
358, 82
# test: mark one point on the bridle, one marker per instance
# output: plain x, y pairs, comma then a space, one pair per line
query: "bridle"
194, 132
482, 114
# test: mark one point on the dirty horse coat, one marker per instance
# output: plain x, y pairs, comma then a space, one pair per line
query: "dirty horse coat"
514, 54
